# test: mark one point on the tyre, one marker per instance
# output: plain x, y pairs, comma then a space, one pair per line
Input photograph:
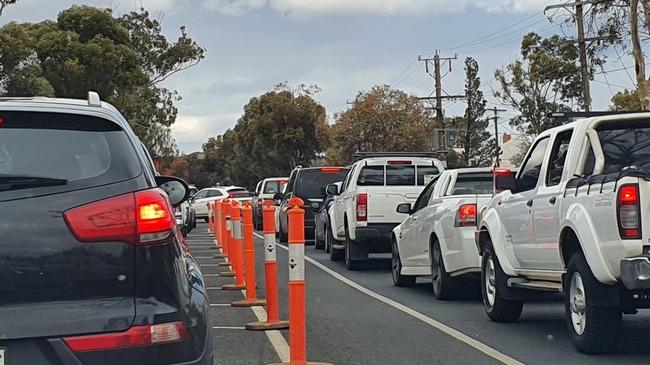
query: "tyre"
206, 219
396, 268
493, 279
318, 244
283, 236
594, 329
444, 286
351, 264
335, 254
328, 239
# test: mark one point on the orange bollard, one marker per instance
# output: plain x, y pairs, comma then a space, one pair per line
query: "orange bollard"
249, 260
236, 249
225, 212
297, 312
270, 275
227, 239
217, 225
215, 231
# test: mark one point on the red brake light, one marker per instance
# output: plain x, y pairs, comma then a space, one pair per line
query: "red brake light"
466, 216
330, 170
136, 218
135, 336
399, 162
500, 171
362, 208
628, 212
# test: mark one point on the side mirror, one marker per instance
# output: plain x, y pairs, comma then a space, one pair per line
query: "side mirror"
177, 189
332, 189
277, 196
504, 179
404, 208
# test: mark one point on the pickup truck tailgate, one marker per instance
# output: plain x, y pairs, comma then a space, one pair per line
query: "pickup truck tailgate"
382, 205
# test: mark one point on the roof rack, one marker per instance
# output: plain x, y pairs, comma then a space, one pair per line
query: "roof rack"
361, 155
93, 99
569, 116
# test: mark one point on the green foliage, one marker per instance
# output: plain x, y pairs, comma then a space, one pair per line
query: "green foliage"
124, 59
277, 132
546, 79
382, 119
626, 100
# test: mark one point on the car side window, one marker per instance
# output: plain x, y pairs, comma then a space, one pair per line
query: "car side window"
201, 194
558, 158
529, 174
423, 199
214, 193
590, 162
348, 178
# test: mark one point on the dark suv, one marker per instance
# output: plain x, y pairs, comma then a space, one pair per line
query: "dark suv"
308, 184
93, 269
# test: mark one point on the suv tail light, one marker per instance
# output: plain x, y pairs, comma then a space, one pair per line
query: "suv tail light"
466, 216
629, 214
362, 208
330, 170
135, 336
144, 217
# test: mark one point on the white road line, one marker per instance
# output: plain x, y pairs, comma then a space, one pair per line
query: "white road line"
214, 275
204, 257
227, 328
202, 251
275, 337
220, 305
213, 287
493, 353
208, 265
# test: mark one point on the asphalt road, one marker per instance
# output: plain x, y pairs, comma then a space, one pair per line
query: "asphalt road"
361, 318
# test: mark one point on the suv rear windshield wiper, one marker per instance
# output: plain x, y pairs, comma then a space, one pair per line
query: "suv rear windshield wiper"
16, 182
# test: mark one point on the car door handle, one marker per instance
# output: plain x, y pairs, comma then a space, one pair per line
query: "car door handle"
529, 203
552, 201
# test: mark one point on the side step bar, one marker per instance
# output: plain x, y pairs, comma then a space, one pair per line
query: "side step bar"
549, 286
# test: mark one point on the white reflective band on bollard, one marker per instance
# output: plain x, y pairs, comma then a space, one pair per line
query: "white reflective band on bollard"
269, 247
237, 230
296, 262
228, 224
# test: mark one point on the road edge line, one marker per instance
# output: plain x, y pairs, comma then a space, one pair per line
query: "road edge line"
480, 346
276, 339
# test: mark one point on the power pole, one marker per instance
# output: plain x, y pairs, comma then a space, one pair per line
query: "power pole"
440, 117
496, 135
582, 47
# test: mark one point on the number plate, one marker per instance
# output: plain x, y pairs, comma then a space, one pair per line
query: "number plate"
3, 356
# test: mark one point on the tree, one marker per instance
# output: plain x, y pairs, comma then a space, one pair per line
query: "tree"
5, 3
626, 100
123, 59
546, 79
277, 132
472, 129
382, 119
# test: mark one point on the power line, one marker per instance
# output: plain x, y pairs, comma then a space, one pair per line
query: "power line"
403, 71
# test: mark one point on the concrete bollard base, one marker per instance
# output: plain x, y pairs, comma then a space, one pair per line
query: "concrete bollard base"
266, 326
224, 264
227, 274
249, 303
233, 287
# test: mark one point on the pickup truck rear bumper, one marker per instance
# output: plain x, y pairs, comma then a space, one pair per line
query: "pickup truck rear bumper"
377, 236
635, 272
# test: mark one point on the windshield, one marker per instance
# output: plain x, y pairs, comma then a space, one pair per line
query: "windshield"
311, 184
625, 146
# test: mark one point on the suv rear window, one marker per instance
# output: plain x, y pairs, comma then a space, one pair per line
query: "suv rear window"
82, 151
272, 187
311, 184
625, 145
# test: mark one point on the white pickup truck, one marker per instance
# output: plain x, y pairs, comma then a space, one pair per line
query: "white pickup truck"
363, 214
437, 237
574, 220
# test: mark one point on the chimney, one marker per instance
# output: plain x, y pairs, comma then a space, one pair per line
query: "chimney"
506, 138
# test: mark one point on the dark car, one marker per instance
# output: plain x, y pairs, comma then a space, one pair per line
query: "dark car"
93, 269
320, 221
309, 185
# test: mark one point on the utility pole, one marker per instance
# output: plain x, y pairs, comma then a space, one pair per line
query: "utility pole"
496, 135
582, 46
440, 117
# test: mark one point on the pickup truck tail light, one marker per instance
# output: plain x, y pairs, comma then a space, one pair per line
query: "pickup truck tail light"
466, 216
362, 208
629, 212
140, 218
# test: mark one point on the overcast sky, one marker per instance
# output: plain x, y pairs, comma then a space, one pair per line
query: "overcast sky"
342, 45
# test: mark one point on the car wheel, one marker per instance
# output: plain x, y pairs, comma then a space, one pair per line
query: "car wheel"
328, 239
498, 308
335, 253
284, 237
206, 219
594, 329
349, 262
444, 286
318, 243
396, 268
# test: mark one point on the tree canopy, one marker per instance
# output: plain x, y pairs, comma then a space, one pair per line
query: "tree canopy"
123, 58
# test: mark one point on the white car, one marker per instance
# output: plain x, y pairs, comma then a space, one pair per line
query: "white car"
437, 237
265, 191
363, 213
574, 220
277, 213
209, 195
185, 213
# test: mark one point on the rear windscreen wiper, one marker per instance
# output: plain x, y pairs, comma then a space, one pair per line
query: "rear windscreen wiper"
15, 182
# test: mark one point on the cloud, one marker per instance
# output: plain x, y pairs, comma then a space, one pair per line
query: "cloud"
374, 7
191, 131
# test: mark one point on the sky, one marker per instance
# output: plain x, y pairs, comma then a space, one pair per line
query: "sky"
343, 46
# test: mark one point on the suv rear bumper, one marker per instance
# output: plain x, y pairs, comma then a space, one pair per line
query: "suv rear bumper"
635, 272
